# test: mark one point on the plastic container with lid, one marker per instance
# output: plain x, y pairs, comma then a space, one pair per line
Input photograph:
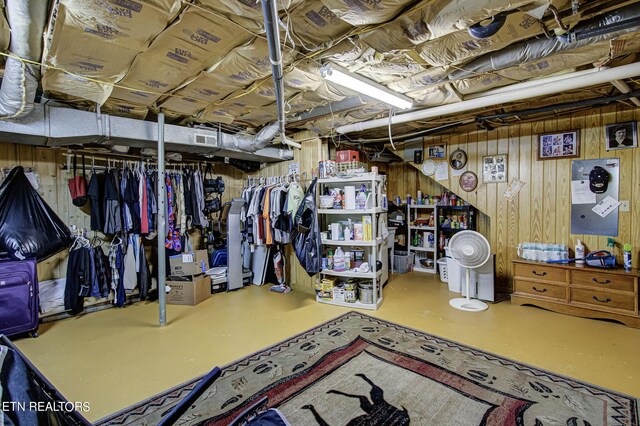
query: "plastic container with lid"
338, 261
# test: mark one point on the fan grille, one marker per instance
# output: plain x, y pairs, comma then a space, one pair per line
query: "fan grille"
469, 249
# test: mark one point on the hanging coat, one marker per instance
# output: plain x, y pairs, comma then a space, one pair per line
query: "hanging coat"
96, 198
130, 276
112, 220
78, 284
103, 271
144, 275
306, 232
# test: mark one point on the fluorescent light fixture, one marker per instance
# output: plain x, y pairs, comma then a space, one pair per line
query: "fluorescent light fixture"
341, 76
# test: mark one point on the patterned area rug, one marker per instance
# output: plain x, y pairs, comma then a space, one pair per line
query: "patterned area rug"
359, 370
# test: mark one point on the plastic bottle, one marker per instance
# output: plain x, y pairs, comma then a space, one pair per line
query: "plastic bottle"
346, 233
579, 253
361, 198
330, 260
627, 257
338, 260
337, 201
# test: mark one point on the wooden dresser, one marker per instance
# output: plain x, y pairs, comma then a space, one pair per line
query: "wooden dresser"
580, 291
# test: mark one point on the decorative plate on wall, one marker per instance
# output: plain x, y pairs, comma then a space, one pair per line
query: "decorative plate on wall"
429, 167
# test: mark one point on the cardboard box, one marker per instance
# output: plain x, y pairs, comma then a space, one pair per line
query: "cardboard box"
188, 290
345, 156
186, 264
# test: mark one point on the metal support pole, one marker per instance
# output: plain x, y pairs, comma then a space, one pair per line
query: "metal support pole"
162, 195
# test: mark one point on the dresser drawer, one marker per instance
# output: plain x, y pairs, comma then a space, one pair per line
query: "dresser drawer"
603, 299
551, 291
540, 272
602, 280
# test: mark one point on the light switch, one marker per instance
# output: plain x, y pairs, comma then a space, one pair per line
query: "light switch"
624, 205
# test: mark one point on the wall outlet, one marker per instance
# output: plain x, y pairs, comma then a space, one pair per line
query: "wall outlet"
624, 205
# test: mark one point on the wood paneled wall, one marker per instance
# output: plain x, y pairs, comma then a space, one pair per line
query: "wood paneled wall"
542, 210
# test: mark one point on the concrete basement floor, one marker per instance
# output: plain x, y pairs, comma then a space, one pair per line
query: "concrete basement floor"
117, 357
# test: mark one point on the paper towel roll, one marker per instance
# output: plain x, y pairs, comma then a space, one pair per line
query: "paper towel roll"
350, 197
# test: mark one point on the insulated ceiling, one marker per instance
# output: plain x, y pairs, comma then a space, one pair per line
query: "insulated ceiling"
207, 61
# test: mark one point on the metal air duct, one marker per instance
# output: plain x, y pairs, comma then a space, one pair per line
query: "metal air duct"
601, 28
27, 20
54, 126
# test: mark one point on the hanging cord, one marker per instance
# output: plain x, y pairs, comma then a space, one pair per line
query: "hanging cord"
391, 114
287, 33
557, 18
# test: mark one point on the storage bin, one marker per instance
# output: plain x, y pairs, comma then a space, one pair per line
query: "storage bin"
442, 266
403, 262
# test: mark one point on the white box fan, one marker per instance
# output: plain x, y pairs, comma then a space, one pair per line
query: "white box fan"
470, 250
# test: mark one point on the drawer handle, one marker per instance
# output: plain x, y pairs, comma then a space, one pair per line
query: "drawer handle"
538, 274
544, 290
607, 300
595, 280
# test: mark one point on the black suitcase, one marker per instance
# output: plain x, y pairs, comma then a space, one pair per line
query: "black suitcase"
19, 303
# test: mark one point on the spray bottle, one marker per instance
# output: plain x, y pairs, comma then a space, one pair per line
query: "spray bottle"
627, 257
579, 253
611, 245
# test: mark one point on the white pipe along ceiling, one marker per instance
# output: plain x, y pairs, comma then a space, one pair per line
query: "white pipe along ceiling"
256, 67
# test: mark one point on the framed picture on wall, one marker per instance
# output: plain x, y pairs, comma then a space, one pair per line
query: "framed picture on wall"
558, 145
622, 135
437, 151
494, 168
458, 159
468, 181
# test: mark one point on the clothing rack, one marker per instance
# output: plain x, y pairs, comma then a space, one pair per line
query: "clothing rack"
274, 180
133, 161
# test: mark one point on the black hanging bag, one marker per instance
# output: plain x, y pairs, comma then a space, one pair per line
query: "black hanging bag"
210, 184
219, 185
212, 205
28, 226
305, 236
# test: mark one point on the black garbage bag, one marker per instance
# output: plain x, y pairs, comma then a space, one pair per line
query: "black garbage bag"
28, 226
306, 232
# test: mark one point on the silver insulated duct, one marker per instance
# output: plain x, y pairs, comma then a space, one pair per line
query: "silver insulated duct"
600, 28
250, 143
27, 20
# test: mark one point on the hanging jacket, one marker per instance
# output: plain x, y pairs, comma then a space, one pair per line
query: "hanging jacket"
144, 275
130, 276
103, 271
78, 284
95, 284
96, 200
188, 195
119, 297
112, 220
